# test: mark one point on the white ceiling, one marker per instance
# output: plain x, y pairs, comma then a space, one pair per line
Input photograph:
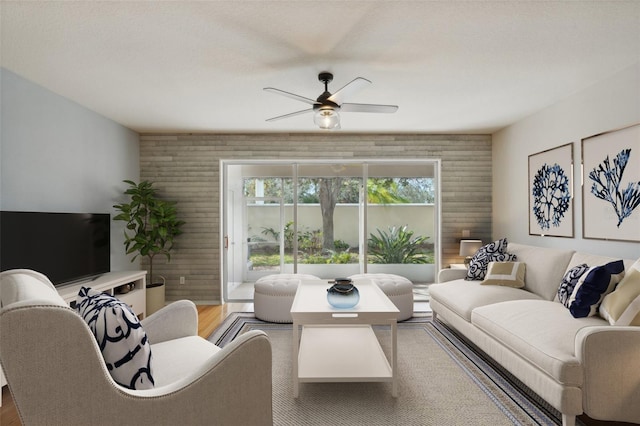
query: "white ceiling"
200, 66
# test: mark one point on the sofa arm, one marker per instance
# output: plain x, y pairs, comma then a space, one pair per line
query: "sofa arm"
611, 362
451, 274
178, 319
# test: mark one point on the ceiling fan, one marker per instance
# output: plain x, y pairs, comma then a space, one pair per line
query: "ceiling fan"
327, 107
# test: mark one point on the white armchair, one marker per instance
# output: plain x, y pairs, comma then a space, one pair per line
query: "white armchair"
57, 375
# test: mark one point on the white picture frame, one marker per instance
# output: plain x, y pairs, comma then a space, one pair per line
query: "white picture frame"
551, 192
611, 185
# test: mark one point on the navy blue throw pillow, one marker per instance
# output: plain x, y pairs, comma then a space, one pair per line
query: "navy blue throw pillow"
593, 286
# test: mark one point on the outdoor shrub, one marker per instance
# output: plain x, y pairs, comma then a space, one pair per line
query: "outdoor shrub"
340, 245
396, 246
342, 257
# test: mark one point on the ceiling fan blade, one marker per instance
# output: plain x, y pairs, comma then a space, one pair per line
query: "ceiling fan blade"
291, 114
291, 95
368, 108
349, 89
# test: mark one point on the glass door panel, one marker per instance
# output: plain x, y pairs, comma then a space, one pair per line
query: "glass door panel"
254, 225
401, 220
264, 249
329, 203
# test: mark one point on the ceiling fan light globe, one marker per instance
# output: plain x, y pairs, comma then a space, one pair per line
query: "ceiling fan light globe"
327, 118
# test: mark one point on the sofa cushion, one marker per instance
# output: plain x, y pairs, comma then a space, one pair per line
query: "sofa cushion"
524, 327
493, 252
569, 282
462, 296
593, 286
622, 306
510, 274
545, 268
178, 358
595, 260
120, 336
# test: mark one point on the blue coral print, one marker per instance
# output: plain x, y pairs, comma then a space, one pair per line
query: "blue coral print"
551, 195
608, 183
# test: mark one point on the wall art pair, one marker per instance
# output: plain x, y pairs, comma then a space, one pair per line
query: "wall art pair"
610, 188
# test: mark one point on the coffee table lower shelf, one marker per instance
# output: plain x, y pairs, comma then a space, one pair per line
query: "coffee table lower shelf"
341, 353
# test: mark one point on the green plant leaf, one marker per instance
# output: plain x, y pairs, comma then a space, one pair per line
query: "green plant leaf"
152, 220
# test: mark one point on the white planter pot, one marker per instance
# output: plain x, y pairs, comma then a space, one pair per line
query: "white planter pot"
416, 273
329, 270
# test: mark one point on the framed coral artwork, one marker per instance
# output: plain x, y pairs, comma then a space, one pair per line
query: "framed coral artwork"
611, 185
551, 192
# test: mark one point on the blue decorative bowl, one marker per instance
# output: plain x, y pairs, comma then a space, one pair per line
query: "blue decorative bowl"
343, 295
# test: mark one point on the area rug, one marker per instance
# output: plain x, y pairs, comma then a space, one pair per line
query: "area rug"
442, 381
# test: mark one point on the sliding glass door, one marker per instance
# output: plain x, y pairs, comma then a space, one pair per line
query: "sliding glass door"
329, 219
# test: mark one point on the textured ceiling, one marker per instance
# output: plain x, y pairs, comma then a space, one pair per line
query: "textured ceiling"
188, 66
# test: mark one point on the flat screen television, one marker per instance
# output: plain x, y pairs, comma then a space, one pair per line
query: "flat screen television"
66, 247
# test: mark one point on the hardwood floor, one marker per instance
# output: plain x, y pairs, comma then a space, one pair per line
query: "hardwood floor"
209, 318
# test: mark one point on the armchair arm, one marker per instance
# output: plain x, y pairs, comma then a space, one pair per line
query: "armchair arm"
178, 319
234, 387
611, 362
451, 274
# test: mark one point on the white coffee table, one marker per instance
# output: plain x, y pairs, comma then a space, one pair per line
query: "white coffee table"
339, 345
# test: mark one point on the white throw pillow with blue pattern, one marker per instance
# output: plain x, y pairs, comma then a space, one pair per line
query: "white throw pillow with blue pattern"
492, 252
120, 336
569, 282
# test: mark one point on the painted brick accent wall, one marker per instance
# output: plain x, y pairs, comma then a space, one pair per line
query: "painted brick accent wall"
186, 168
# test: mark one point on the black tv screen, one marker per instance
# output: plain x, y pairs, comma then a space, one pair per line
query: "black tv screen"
65, 247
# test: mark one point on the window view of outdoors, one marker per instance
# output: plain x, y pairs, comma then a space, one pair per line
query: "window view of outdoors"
328, 221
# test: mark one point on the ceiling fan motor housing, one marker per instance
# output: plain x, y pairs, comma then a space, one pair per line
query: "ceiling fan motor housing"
325, 77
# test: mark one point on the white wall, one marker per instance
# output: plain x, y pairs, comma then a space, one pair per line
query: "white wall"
418, 217
58, 156
607, 105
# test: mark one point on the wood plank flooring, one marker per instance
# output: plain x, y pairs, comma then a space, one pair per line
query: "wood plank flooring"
209, 318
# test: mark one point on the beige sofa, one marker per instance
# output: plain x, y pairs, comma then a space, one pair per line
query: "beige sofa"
578, 365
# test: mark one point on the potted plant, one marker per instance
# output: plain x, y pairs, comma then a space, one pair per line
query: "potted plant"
151, 223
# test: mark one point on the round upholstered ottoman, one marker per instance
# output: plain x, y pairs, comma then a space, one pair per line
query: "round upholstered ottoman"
398, 289
273, 296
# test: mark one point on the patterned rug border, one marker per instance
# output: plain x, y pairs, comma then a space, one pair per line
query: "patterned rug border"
506, 391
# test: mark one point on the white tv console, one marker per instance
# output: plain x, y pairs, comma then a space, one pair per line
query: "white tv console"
136, 298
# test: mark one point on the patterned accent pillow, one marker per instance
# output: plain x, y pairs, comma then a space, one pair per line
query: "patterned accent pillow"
120, 336
493, 252
508, 274
622, 307
593, 286
569, 282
